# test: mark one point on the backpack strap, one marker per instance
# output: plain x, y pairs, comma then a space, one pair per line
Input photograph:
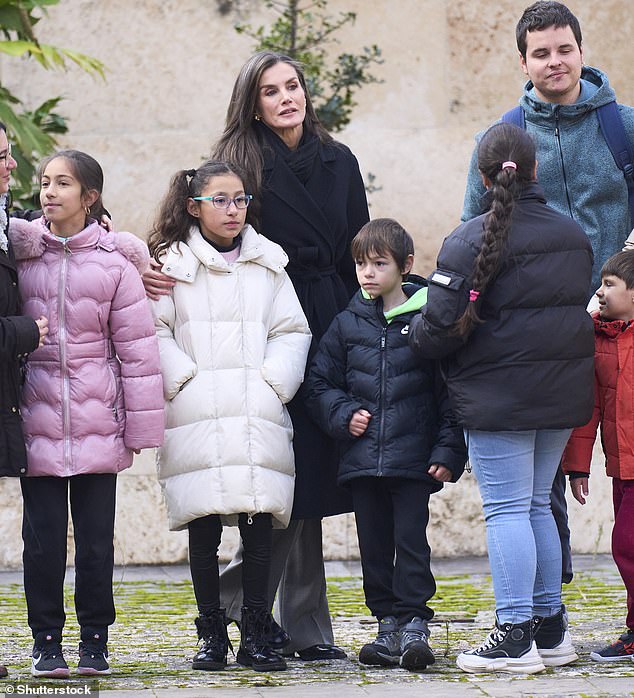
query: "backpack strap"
515, 116
613, 131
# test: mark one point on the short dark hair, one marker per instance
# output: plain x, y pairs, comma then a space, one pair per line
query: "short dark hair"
383, 236
621, 265
542, 15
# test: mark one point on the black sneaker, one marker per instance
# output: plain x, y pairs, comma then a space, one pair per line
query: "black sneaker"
92, 658
509, 647
553, 639
623, 648
386, 649
416, 654
48, 660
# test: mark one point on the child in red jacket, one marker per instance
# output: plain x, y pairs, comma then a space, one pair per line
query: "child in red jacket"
614, 411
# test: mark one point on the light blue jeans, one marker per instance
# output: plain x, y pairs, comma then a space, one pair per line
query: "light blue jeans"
515, 472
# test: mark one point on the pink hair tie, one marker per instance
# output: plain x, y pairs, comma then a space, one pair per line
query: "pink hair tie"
473, 296
509, 163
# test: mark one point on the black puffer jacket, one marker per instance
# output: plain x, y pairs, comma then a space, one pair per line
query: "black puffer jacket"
530, 364
18, 336
365, 363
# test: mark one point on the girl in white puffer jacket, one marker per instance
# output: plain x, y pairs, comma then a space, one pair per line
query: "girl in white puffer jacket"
233, 341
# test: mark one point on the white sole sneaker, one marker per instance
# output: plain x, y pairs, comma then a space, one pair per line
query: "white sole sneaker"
57, 673
595, 656
530, 663
561, 655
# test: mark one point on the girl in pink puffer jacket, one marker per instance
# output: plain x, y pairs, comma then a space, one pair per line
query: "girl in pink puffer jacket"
92, 396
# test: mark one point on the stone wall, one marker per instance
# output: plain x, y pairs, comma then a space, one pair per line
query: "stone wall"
450, 69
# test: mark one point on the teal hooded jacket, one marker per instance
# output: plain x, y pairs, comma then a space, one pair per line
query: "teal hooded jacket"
574, 166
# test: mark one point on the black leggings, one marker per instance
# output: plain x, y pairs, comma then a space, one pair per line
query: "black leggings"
204, 539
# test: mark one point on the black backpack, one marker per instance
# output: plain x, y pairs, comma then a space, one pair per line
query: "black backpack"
613, 131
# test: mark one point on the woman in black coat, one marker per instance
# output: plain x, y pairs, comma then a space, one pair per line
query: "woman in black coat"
506, 312
309, 197
19, 335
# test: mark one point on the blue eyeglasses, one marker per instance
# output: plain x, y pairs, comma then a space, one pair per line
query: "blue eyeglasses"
241, 201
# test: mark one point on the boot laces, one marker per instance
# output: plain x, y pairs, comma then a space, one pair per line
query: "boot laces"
495, 637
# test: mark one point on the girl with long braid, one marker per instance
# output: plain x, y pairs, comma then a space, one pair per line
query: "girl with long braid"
506, 313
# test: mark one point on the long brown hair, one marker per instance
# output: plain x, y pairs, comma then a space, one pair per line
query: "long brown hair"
239, 141
173, 221
506, 156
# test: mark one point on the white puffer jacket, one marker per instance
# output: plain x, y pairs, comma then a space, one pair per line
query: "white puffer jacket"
234, 342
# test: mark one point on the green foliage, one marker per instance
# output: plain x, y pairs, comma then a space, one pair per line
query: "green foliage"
33, 133
304, 31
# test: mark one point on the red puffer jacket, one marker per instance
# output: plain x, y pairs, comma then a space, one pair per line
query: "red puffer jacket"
94, 391
614, 404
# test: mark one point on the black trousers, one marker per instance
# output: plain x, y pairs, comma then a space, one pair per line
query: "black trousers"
392, 515
204, 539
44, 532
560, 513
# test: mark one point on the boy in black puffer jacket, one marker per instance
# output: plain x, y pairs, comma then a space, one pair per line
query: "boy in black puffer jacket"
399, 439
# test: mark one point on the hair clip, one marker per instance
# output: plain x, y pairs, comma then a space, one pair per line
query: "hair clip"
473, 296
509, 163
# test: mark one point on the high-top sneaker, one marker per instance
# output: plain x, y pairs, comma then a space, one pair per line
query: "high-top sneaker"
416, 654
212, 630
254, 650
386, 648
509, 647
553, 639
47, 659
93, 653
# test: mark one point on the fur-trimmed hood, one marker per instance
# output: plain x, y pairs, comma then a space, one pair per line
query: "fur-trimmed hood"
30, 239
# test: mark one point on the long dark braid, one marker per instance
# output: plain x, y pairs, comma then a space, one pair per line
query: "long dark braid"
506, 156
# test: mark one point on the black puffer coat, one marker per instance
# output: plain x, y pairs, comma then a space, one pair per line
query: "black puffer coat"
18, 336
365, 363
530, 364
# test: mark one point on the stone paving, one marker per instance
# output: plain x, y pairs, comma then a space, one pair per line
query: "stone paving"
153, 640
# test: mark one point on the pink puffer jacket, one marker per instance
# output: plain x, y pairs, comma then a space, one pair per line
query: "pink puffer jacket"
94, 391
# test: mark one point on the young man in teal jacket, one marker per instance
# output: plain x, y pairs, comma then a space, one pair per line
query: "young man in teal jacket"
575, 167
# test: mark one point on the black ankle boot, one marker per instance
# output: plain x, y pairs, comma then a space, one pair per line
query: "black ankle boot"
212, 630
255, 650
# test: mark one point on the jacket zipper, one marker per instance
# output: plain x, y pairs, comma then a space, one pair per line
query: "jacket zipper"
61, 301
382, 396
561, 158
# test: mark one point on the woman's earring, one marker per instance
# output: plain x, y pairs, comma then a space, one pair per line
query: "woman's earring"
256, 117
87, 210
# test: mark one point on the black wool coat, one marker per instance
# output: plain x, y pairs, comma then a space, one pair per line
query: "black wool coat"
314, 224
365, 363
530, 364
19, 335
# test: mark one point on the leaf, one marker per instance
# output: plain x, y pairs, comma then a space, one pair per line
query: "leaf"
18, 48
303, 30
